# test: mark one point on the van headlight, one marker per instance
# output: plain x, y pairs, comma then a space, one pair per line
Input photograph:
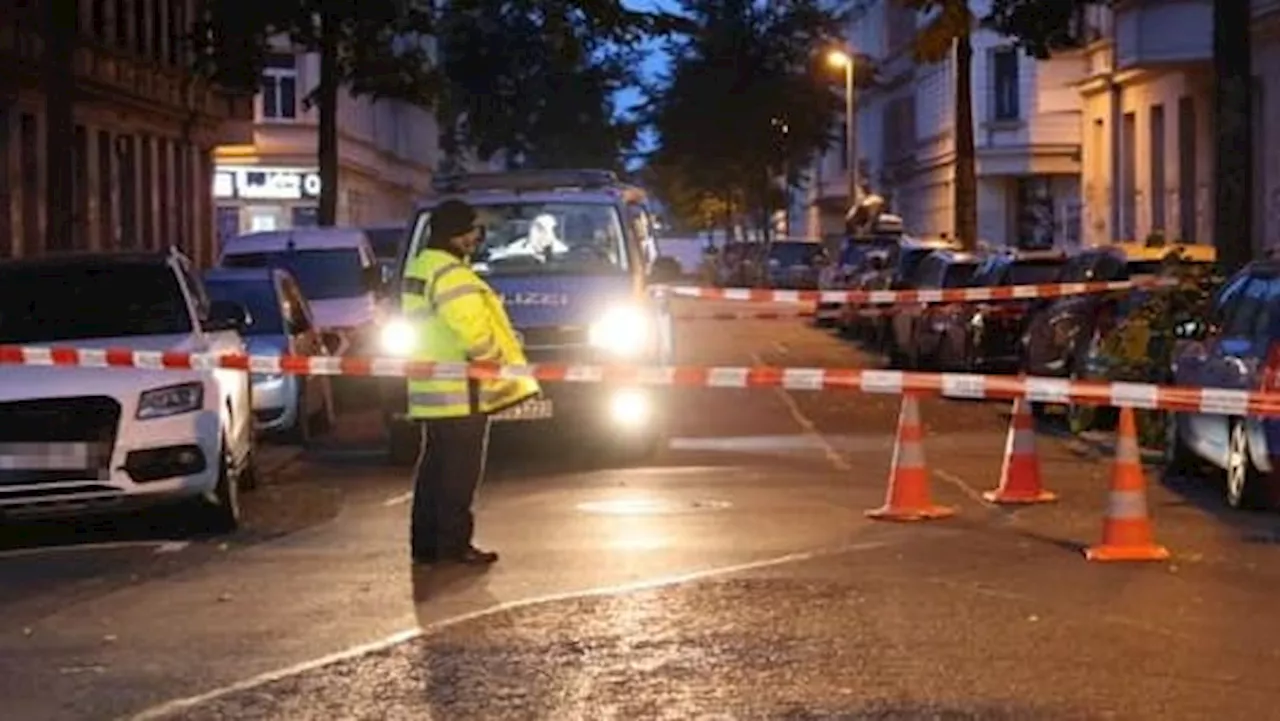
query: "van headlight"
398, 337
170, 401
625, 331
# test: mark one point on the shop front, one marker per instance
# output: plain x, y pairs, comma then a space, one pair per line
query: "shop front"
252, 198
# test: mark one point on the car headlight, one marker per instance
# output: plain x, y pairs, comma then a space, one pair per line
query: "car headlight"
170, 401
625, 331
398, 337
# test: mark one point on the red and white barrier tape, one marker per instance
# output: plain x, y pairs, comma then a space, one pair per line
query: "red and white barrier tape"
886, 382
893, 297
749, 315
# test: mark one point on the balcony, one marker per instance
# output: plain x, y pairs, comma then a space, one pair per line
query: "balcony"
1152, 33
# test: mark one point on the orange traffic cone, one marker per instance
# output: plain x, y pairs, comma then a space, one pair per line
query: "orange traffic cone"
908, 498
1126, 532
1020, 475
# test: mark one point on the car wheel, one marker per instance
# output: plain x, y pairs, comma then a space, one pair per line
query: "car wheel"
221, 513
1245, 485
1179, 461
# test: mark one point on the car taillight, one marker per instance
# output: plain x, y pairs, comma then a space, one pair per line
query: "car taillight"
1271, 368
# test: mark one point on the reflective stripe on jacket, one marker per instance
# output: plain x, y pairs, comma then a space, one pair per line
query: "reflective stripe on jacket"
459, 319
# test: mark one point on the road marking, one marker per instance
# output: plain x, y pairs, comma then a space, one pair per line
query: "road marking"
832, 455
398, 500
82, 547
964, 487
176, 706
173, 546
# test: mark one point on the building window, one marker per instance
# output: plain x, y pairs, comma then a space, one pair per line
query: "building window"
1129, 177
177, 32
6, 185
126, 149
106, 208
1004, 84
148, 193
99, 15
80, 190
1187, 175
1158, 220
29, 136
122, 23
228, 223
1261, 213
158, 35
164, 186
141, 20
305, 216
280, 88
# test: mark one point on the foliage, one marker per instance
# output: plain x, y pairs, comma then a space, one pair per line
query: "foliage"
535, 80
1040, 27
748, 98
381, 45
374, 48
948, 20
1142, 346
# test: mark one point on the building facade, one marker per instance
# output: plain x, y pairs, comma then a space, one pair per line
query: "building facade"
387, 152
1148, 147
1026, 131
144, 135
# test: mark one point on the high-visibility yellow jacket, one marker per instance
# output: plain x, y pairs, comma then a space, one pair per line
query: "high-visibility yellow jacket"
459, 319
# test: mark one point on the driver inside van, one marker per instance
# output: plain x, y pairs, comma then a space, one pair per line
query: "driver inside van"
540, 243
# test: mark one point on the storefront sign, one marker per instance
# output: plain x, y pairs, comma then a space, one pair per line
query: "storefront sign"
259, 183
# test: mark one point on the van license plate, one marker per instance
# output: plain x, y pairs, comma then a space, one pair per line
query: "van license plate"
533, 410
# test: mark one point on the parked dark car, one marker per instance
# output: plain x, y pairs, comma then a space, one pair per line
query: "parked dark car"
917, 327
899, 272
1237, 348
986, 336
794, 264
1064, 336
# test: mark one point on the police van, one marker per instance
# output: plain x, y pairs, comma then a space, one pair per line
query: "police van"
573, 254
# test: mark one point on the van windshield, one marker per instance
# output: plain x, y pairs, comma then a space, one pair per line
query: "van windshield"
324, 274
525, 238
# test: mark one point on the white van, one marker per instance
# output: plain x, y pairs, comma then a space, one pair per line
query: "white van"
336, 268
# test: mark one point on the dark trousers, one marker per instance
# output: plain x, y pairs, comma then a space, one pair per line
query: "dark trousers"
450, 467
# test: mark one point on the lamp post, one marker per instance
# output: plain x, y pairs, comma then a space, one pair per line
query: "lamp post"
844, 60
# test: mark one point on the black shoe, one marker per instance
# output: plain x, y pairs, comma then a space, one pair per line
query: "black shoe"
475, 557
425, 559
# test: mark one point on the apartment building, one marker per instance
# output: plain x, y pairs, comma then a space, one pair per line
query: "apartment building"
144, 132
1026, 131
387, 151
1148, 148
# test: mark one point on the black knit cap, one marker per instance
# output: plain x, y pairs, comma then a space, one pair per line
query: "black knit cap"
451, 219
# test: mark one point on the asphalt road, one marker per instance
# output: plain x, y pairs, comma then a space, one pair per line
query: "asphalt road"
733, 577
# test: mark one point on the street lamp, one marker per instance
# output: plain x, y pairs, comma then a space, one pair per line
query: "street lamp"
844, 60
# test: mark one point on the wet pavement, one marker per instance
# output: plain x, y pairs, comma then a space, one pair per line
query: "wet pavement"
732, 577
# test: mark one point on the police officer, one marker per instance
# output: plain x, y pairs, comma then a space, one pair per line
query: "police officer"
459, 319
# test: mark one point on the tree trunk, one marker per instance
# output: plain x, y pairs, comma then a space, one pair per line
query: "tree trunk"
60, 206
966, 185
1233, 134
328, 109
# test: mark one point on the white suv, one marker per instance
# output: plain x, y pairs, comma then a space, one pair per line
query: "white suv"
75, 440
